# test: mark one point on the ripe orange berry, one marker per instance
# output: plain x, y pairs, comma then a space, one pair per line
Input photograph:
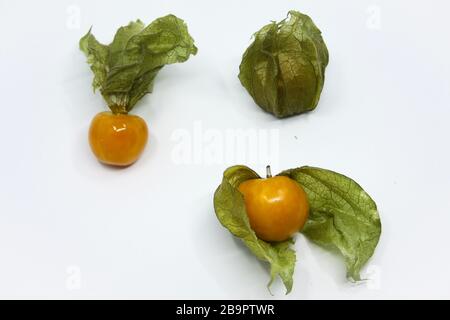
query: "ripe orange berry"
277, 207
117, 139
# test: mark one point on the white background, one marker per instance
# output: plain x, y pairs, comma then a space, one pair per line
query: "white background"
72, 228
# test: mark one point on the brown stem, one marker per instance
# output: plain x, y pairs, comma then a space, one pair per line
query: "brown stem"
268, 172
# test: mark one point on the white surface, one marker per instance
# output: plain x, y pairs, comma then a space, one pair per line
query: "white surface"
72, 228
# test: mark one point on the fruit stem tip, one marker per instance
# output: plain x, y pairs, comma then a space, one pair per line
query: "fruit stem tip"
268, 172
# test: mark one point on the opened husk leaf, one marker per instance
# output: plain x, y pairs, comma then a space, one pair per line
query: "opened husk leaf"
284, 68
342, 216
124, 71
230, 210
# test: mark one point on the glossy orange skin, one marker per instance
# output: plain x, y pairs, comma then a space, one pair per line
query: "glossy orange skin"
118, 139
277, 207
